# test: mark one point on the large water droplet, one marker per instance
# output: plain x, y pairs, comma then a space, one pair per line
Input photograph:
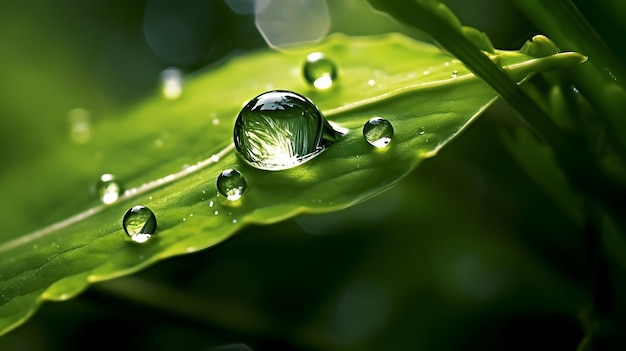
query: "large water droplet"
319, 71
281, 129
139, 224
378, 132
108, 189
232, 184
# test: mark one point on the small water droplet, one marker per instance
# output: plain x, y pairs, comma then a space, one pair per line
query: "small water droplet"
172, 83
231, 184
215, 121
371, 82
216, 213
455, 74
139, 224
80, 125
234, 220
184, 219
421, 131
215, 158
108, 189
281, 129
211, 203
378, 132
319, 71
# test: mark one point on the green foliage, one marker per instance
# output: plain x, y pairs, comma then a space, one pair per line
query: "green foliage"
454, 251
417, 92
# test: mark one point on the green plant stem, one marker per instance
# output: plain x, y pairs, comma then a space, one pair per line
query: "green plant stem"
584, 171
602, 79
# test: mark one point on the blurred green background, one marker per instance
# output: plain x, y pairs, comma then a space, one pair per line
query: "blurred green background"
467, 252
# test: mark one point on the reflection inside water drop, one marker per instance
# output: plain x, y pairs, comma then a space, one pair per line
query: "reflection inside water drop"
378, 132
319, 71
281, 129
231, 184
139, 223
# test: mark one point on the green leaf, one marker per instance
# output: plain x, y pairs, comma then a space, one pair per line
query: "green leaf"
427, 95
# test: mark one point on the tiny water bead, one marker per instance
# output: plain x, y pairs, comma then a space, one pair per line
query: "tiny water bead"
108, 189
280, 129
172, 83
378, 132
139, 224
232, 184
319, 71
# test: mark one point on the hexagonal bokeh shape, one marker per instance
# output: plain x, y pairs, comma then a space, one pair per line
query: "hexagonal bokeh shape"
284, 23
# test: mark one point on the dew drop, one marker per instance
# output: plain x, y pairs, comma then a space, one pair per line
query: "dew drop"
139, 224
371, 82
378, 132
231, 184
216, 212
455, 74
108, 189
280, 130
421, 131
172, 83
319, 71
80, 125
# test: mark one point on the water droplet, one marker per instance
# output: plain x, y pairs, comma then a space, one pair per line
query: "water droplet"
378, 132
231, 184
371, 82
108, 189
216, 213
215, 158
139, 224
211, 203
455, 74
319, 71
234, 220
172, 82
80, 125
184, 219
421, 131
281, 129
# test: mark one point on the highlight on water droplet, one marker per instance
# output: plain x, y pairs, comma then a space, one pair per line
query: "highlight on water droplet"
378, 132
109, 190
232, 184
319, 71
139, 223
80, 125
455, 74
280, 129
172, 83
